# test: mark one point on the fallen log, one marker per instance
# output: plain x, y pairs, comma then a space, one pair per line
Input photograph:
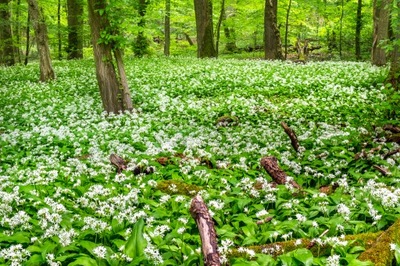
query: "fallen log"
118, 162
380, 253
209, 244
270, 164
292, 136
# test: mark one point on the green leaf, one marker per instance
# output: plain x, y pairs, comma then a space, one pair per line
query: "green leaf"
88, 245
83, 261
356, 262
19, 237
304, 255
356, 249
136, 243
35, 259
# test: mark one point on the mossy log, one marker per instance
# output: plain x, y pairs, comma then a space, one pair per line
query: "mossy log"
380, 253
175, 187
278, 248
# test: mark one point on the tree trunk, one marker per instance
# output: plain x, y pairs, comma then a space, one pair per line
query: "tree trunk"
109, 84
6, 36
287, 27
141, 45
28, 34
221, 18
272, 37
381, 31
204, 27
341, 29
59, 30
75, 29
188, 39
358, 30
46, 69
394, 73
18, 33
167, 28
209, 244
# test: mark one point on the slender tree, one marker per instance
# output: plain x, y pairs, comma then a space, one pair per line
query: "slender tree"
39, 25
75, 29
59, 30
341, 27
358, 29
167, 28
113, 86
381, 31
204, 27
6, 37
394, 73
272, 37
229, 32
220, 19
141, 44
28, 39
287, 27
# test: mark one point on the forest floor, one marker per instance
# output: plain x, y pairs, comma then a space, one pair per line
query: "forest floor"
199, 126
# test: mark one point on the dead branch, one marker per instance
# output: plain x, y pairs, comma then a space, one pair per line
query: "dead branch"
118, 162
209, 244
292, 136
364, 154
392, 128
390, 153
270, 164
382, 170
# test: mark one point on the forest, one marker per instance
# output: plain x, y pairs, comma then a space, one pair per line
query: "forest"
204, 132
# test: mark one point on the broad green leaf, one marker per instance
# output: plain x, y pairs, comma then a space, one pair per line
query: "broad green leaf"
304, 255
136, 243
83, 261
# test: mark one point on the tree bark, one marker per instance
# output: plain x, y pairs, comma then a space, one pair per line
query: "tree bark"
358, 30
381, 31
272, 37
75, 29
341, 29
59, 30
28, 34
292, 135
6, 36
204, 27
208, 236
109, 83
167, 28
394, 73
221, 18
46, 68
287, 27
141, 44
270, 165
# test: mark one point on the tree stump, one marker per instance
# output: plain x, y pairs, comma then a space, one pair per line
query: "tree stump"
208, 236
270, 164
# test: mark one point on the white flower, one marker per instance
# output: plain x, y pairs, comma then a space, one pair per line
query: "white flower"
100, 252
333, 260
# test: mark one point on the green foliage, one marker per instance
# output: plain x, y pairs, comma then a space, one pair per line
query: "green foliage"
62, 200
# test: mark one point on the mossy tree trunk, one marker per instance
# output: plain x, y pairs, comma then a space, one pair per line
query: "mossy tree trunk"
75, 29
272, 37
39, 25
6, 37
381, 31
204, 27
114, 92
